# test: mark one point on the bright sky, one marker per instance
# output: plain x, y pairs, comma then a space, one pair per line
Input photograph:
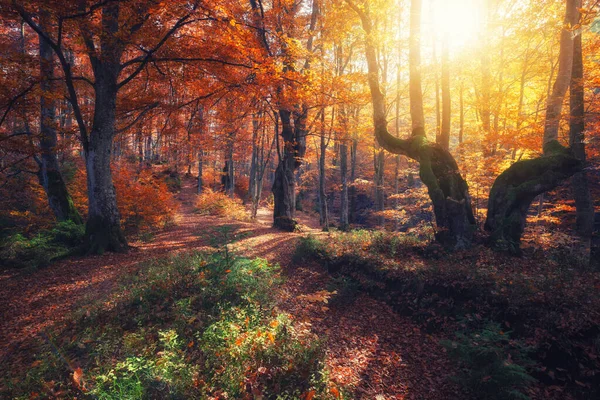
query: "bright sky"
458, 20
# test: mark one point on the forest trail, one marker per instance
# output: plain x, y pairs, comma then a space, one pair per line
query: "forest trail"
371, 350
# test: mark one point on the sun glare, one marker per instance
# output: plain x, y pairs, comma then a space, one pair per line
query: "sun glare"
459, 21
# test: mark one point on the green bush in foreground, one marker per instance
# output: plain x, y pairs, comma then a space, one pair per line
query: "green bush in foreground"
193, 326
493, 365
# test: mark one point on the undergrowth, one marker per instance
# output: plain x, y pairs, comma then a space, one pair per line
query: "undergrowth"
493, 366
220, 205
548, 304
191, 326
20, 251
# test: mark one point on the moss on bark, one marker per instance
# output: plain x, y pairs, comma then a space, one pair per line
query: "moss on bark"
514, 190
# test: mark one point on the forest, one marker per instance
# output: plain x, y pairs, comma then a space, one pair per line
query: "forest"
300, 199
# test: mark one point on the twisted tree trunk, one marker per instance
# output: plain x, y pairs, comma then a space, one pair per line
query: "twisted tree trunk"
514, 190
438, 170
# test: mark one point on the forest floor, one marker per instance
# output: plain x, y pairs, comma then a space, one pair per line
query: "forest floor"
371, 350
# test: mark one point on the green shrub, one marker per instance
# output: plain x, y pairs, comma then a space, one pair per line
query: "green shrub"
310, 248
345, 289
68, 233
189, 326
493, 365
18, 251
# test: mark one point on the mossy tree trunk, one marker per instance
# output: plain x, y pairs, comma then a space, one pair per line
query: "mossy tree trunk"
438, 170
514, 190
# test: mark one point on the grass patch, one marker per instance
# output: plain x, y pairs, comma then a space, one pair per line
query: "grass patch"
190, 326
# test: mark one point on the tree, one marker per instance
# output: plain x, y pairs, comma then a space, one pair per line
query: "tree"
414, 61
514, 190
438, 170
581, 192
105, 52
49, 174
292, 113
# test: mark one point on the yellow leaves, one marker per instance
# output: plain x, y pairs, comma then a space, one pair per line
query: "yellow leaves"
320, 296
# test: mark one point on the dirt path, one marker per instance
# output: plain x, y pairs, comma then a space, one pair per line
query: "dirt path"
371, 349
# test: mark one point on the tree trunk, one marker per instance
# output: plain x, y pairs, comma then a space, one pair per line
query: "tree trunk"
352, 189
579, 182
563, 76
379, 181
103, 230
514, 190
284, 185
438, 169
344, 225
323, 212
254, 157
200, 162
49, 174
445, 132
228, 177
414, 61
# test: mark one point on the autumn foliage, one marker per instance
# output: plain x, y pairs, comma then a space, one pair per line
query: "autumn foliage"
220, 205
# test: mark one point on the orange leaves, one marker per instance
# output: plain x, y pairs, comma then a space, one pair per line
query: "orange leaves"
309, 395
78, 379
220, 205
144, 201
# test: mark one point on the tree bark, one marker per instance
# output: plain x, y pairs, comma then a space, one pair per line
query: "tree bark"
563, 76
254, 157
49, 174
379, 181
200, 165
284, 185
514, 190
414, 62
445, 132
581, 192
103, 229
352, 189
228, 176
344, 224
323, 212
